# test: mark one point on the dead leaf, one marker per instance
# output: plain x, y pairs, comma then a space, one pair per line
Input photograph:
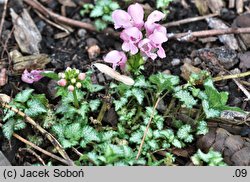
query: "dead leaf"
187, 69
228, 40
26, 33
5, 98
114, 74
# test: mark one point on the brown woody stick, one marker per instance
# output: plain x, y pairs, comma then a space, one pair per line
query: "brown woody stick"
43, 131
38, 148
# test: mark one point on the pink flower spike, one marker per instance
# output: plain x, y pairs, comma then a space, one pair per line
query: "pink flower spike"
131, 36
137, 13
30, 77
62, 82
121, 19
147, 49
116, 58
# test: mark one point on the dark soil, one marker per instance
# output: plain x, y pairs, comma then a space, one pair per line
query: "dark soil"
72, 51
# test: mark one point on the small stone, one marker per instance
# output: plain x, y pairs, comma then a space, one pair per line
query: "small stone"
197, 61
187, 60
167, 72
91, 41
94, 51
81, 33
175, 62
100, 78
244, 60
235, 71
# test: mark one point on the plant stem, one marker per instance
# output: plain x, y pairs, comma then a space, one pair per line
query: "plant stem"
219, 78
102, 112
76, 104
148, 125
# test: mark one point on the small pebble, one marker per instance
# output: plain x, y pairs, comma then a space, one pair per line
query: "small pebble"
187, 60
81, 33
175, 62
168, 72
91, 41
197, 61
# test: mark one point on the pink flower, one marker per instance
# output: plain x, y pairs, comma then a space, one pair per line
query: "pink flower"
150, 24
116, 58
134, 17
137, 13
62, 82
30, 77
131, 36
147, 49
71, 88
157, 38
81, 76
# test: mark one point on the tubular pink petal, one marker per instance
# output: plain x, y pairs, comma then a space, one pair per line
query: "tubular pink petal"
137, 13
121, 19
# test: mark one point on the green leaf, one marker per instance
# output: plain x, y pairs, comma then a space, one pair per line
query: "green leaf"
164, 81
107, 18
94, 104
19, 125
8, 128
100, 24
73, 132
114, 5
138, 94
58, 130
210, 112
177, 143
184, 133
89, 134
35, 108
97, 12
185, 97
120, 103
108, 135
50, 74
136, 137
141, 82
202, 128
24, 95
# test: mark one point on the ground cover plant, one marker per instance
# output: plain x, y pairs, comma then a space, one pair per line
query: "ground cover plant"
137, 117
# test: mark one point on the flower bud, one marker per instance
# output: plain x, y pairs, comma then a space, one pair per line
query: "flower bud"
68, 69
73, 80
71, 88
78, 85
62, 82
81, 76
77, 71
61, 75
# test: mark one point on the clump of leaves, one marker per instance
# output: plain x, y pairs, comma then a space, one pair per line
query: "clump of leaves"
212, 158
162, 5
101, 10
33, 105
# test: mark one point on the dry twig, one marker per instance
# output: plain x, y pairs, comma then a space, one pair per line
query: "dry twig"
38, 148
208, 33
32, 152
43, 131
189, 20
3, 16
